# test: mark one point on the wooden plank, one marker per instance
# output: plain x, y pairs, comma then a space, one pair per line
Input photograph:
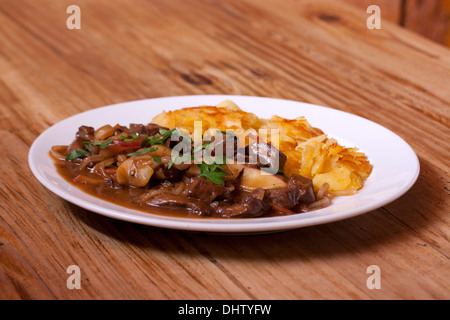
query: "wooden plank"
429, 18
313, 51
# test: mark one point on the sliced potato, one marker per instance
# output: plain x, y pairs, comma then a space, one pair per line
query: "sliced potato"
253, 178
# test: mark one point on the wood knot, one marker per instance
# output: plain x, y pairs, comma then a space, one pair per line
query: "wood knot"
196, 79
327, 17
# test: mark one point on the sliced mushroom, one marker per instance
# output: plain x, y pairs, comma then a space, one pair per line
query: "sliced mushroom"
104, 132
135, 171
224, 145
265, 155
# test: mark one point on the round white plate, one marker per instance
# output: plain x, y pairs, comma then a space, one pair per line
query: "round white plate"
395, 165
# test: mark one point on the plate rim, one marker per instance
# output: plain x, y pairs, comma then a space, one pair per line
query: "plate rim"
218, 225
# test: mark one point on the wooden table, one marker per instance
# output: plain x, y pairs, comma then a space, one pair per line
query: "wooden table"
319, 52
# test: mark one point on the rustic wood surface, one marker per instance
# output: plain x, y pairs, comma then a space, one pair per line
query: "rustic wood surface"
313, 51
429, 18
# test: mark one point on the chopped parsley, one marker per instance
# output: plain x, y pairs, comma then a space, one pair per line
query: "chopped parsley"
76, 154
165, 134
133, 136
212, 172
102, 145
156, 159
203, 146
144, 151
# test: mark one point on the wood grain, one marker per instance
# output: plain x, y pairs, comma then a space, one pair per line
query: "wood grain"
429, 18
313, 51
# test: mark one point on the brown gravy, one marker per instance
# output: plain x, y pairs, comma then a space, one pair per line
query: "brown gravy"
125, 196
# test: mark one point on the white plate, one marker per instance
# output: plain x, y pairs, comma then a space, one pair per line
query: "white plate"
395, 165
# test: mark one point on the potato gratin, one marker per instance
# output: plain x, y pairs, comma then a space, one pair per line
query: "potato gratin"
310, 152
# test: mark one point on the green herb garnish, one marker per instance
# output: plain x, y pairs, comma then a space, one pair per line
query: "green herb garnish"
76, 154
106, 143
156, 159
144, 142
165, 134
144, 151
212, 172
133, 136
204, 146
102, 145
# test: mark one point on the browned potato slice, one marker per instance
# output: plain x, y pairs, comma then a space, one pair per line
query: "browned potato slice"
253, 178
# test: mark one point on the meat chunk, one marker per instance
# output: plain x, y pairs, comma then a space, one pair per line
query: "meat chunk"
148, 130
304, 187
196, 207
153, 128
204, 190
248, 208
251, 206
283, 197
300, 190
86, 133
